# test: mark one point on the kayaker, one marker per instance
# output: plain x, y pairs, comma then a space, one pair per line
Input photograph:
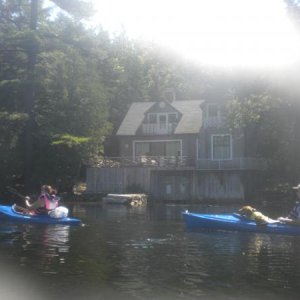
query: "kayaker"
252, 214
46, 202
293, 217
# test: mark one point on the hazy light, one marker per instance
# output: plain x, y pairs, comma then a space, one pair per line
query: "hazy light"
254, 33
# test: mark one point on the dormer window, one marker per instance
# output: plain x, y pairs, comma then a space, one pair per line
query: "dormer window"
160, 118
152, 118
172, 118
214, 116
212, 110
160, 123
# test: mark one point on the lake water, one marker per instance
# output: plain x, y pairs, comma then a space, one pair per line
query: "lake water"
144, 253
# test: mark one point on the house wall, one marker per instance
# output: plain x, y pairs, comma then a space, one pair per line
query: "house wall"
196, 186
171, 185
117, 180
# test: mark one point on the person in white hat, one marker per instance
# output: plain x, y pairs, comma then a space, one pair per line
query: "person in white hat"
293, 217
296, 188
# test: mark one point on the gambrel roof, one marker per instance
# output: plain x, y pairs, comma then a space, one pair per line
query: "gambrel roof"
190, 122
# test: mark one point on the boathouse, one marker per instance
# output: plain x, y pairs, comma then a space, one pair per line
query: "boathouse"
179, 151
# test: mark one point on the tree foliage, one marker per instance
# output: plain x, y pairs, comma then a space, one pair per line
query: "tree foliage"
69, 112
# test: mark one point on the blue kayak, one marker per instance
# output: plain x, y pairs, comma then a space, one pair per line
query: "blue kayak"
235, 222
8, 212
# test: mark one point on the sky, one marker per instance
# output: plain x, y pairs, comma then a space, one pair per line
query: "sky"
246, 33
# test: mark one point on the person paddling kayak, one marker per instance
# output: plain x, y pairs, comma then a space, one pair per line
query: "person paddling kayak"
293, 217
46, 202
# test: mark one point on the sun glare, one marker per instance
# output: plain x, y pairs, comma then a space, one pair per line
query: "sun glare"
247, 33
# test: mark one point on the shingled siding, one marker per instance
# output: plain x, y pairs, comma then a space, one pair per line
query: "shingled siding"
168, 185
118, 180
195, 186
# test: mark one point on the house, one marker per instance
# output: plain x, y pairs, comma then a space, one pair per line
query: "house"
179, 151
161, 133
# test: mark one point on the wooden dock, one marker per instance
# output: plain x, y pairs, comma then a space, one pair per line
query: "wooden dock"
127, 199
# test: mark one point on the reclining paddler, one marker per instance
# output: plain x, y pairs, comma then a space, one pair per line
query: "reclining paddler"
293, 217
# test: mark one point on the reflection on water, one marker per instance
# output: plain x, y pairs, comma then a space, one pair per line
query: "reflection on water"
145, 253
244, 262
38, 245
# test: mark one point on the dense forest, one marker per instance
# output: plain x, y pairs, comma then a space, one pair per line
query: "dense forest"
65, 87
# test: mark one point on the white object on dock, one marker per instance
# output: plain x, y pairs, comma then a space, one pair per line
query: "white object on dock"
132, 199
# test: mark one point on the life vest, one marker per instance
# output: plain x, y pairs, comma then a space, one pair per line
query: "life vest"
250, 215
255, 215
258, 217
295, 212
50, 203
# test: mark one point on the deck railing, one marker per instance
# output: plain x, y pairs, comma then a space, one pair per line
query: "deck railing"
184, 162
154, 129
243, 163
147, 161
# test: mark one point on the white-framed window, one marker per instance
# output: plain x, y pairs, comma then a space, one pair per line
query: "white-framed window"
172, 117
162, 118
142, 148
173, 148
212, 110
152, 118
157, 148
221, 146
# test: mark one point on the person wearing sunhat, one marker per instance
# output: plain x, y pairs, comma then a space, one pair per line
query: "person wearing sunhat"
293, 217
